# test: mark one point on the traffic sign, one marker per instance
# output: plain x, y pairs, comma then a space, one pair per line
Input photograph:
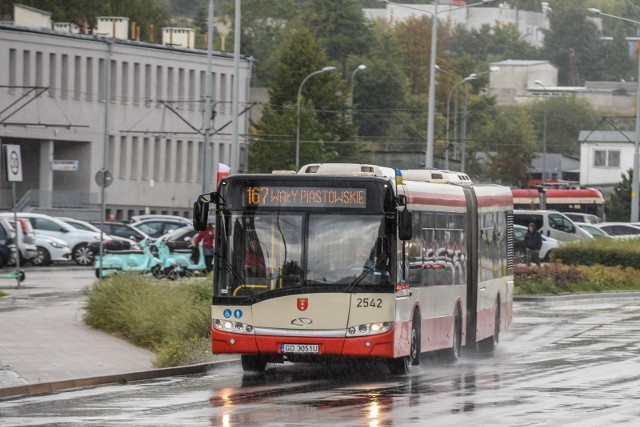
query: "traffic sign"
104, 178
14, 163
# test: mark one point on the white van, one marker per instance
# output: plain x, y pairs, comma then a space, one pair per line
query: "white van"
551, 224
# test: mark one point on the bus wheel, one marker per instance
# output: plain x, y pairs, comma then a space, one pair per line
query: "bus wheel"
253, 363
453, 354
488, 345
402, 365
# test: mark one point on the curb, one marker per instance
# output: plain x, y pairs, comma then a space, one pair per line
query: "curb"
44, 388
599, 296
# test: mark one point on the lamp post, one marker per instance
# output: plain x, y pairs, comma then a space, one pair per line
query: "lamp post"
470, 77
544, 133
431, 111
635, 183
453, 88
324, 70
353, 75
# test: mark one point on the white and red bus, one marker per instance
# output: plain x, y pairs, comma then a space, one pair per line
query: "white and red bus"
340, 260
575, 200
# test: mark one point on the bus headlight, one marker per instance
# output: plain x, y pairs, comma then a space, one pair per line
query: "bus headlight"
369, 329
229, 326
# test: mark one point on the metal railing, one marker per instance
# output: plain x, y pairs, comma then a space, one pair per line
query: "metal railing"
56, 199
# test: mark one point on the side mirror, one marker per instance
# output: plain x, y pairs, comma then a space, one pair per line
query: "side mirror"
200, 214
405, 218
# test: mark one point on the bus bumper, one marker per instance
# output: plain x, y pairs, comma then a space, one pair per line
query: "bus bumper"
367, 346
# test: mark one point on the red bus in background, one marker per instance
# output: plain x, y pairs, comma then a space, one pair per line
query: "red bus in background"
583, 200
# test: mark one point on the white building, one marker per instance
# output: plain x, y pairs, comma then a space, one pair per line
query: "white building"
531, 25
53, 88
605, 156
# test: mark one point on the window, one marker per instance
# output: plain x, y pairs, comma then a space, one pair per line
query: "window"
168, 159
135, 148
147, 83
102, 80
158, 83
111, 152
125, 82
77, 80
178, 161
199, 164
136, 83
146, 147
181, 87
156, 159
13, 66
89, 81
39, 68
123, 156
114, 81
203, 90
64, 77
223, 93
192, 89
606, 158
52, 75
189, 161
26, 68
170, 83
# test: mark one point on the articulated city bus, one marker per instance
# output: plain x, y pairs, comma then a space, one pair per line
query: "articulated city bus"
346, 261
575, 200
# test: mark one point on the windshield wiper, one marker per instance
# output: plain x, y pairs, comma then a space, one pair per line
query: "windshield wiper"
365, 271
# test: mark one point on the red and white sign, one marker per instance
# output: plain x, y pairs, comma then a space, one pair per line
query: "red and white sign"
14, 163
303, 304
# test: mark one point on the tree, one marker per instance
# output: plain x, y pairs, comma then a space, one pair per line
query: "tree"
566, 117
620, 201
572, 43
322, 104
340, 27
509, 143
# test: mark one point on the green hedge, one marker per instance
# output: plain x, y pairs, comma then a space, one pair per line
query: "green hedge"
607, 252
170, 318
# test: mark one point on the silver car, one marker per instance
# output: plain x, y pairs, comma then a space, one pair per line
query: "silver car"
26, 238
51, 249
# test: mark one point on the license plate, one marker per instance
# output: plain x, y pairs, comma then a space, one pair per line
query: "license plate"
299, 348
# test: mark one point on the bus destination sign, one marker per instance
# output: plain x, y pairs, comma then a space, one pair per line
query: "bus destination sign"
304, 197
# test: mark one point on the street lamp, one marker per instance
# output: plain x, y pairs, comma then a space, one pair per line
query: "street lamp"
544, 133
353, 75
635, 183
469, 78
431, 112
324, 70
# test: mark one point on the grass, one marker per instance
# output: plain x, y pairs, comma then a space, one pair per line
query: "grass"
171, 319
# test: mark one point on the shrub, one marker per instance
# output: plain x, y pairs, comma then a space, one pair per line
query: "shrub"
558, 278
159, 315
610, 252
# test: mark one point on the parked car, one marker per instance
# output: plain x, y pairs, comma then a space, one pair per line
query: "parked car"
51, 249
550, 224
157, 227
548, 244
180, 238
78, 240
594, 230
138, 218
111, 243
620, 230
8, 249
25, 242
582, 217
120, 229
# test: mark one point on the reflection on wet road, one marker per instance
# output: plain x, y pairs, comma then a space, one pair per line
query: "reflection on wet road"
563, 364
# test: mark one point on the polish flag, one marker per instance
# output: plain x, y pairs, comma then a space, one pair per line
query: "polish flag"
223, 171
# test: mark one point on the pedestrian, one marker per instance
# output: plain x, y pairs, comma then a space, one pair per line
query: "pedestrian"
207, 237
532, 243
253, 260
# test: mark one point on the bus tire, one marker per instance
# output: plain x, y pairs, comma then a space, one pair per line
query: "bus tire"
488, 345
253, 363
402, 365
452, 354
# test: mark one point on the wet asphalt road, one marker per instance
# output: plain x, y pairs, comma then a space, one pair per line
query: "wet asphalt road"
565, 363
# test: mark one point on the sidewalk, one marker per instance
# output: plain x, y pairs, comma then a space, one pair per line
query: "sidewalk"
43, 338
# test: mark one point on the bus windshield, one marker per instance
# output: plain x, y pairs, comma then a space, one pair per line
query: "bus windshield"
270, 251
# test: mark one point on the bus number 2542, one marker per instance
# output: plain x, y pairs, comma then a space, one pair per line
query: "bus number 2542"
369, 302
